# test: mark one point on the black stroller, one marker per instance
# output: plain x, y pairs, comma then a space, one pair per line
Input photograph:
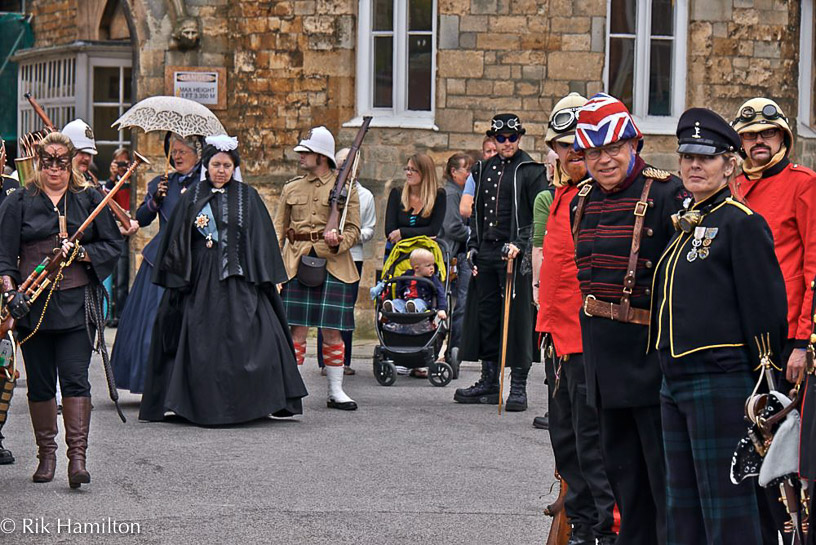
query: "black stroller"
414, 339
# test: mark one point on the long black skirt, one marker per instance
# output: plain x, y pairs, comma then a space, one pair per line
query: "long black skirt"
222, 353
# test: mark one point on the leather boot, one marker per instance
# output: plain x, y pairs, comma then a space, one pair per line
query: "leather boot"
517, 400
44, 422
76, 414
6, 457
486, 389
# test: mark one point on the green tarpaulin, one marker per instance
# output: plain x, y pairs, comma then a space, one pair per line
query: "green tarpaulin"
15, 33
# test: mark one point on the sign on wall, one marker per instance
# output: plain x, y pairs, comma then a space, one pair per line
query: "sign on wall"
206, 86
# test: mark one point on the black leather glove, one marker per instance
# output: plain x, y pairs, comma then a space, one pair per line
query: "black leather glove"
471, 257
161, 191
17, 304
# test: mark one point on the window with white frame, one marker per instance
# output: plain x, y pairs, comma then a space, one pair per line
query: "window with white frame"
646, 59
807, 71
92, 83
396, 62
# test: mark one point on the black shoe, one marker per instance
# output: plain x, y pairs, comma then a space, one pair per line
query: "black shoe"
6, 457
345, 406
607, 540
542, 422
517, 400
581, 535
486, 389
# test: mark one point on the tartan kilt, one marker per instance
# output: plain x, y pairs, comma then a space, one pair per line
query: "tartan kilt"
330, 306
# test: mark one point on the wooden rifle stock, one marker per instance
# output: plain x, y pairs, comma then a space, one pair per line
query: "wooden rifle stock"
339, 194
560, 527
49, 264
123, 217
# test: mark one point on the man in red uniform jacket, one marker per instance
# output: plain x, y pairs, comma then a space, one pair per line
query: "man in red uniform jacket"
784, 193
574, 431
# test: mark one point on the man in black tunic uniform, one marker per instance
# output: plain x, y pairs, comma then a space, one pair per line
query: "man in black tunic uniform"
501, 227
622, 224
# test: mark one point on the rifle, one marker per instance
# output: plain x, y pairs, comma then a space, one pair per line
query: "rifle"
339, 195
120, 213
560, 527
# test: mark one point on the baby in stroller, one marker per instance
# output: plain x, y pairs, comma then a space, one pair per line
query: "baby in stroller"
418, 296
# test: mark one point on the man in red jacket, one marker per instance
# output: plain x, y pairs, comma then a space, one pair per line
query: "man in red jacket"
784, 193
573, 426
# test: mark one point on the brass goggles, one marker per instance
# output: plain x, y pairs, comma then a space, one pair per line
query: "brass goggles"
768, 111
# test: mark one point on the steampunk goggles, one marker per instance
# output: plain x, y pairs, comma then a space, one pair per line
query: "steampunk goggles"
514, 124
564, 120
769, 112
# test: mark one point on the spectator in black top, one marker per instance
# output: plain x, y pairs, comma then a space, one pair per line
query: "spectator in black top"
419, 208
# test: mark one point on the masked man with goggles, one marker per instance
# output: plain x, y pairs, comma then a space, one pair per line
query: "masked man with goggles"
573, 423
784, 193
501, 226
621, 224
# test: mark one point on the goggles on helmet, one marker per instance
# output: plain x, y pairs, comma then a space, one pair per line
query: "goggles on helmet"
513, 124
769, 112
564, 120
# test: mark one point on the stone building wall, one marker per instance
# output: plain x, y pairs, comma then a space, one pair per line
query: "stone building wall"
291, 65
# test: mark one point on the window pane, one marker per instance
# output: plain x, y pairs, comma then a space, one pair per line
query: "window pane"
128, 83
103, 117
419, 73
383, 15
420, 14
106, 84
383, 72
662, 18
622, 14
660, 71
622, 69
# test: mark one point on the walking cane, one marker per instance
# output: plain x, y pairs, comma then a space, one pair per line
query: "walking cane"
508, 291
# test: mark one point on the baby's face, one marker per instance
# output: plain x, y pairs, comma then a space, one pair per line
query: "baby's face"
423, 267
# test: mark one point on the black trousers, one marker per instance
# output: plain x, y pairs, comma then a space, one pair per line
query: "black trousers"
632, 446
47, 352
575, 438
490, 294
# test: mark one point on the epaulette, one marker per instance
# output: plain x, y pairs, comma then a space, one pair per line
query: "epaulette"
657, 174
295, 179
739, 205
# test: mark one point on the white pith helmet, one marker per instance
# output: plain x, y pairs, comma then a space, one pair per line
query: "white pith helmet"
318, 140
81, 136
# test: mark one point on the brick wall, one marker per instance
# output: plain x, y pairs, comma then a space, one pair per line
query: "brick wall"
49, 22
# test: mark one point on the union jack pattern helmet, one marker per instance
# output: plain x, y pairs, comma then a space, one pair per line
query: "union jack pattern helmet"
604, 120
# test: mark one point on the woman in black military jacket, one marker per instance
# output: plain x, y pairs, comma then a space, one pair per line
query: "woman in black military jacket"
718, 287
33, 222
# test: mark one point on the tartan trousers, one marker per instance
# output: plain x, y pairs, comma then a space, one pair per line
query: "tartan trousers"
702, 404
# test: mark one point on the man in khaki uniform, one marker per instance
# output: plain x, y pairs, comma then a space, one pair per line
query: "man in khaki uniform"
312, 298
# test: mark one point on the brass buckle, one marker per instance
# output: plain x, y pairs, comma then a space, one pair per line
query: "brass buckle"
640, 208
314, 236
586, 301
584, 191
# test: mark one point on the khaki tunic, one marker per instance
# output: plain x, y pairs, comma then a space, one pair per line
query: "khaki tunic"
304, 207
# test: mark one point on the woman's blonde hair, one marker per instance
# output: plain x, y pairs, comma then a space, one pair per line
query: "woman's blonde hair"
427, 187
77, 181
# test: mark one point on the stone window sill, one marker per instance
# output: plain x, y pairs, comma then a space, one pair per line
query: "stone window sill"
395, 122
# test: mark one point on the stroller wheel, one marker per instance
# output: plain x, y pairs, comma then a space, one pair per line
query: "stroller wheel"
440, 374
455, 361
385, 372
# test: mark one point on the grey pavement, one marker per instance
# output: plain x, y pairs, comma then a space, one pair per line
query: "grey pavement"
410, 466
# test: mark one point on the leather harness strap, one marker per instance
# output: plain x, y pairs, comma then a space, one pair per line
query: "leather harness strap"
622, 312
583, 193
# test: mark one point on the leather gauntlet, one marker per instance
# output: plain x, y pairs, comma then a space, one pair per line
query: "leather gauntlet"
15, 301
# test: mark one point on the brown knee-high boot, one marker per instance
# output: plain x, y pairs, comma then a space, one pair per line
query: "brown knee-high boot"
44, 421
76, 414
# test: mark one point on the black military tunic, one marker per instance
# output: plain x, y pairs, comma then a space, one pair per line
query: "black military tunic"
502, 213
